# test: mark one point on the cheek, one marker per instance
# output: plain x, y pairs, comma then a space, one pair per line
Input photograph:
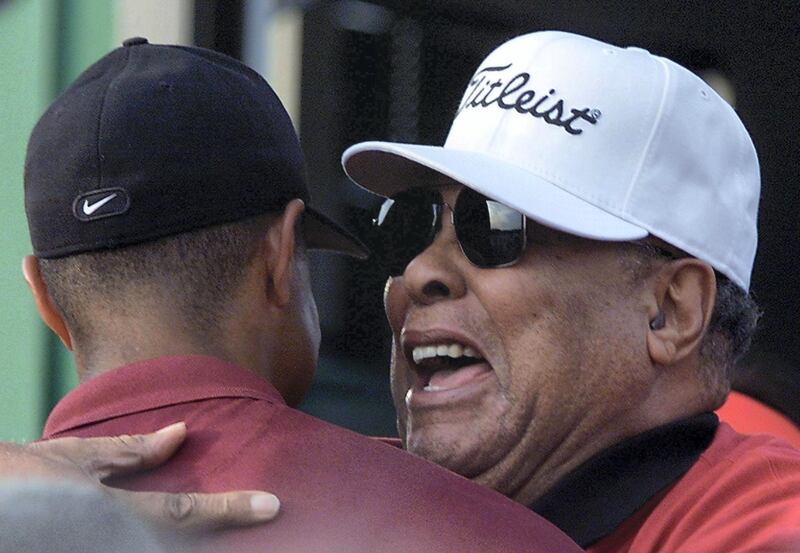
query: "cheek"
572, 355
312, 323
305, 308
395, 302
537, 332
520, 314
399, 373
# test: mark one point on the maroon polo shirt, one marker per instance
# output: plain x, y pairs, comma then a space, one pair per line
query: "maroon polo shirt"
339, 491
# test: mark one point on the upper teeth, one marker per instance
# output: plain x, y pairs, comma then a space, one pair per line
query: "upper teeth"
443, 350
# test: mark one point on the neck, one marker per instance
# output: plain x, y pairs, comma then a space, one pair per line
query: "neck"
94, 361
678, 394
121, 341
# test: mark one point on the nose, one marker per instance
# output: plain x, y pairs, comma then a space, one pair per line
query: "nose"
436, 273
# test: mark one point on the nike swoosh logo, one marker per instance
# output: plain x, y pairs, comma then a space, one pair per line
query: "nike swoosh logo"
88, 208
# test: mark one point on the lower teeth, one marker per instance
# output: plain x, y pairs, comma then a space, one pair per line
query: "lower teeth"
432, 388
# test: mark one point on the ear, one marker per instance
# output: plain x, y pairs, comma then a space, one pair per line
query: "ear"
281, 244
685, 292
47, 309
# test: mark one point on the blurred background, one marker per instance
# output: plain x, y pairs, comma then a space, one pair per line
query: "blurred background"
351, 70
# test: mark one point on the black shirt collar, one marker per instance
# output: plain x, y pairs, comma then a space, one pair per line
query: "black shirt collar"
594, 499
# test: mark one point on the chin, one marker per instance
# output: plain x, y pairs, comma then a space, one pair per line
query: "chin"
455, 449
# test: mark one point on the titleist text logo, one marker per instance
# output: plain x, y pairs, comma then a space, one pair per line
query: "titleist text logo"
487, 88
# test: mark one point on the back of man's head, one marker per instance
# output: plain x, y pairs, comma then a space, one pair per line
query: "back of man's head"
152, 183
192, 278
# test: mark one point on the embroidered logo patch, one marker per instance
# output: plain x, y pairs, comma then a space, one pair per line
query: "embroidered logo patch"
98, 204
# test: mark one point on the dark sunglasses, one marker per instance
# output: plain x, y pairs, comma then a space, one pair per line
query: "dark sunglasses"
489, 233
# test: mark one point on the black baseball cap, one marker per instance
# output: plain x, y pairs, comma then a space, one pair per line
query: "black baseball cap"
155, 140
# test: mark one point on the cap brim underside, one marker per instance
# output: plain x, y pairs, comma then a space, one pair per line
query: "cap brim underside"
386, 168
323, 234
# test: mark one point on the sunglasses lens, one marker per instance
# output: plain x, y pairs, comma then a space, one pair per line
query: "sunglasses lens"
490, 233
405, 226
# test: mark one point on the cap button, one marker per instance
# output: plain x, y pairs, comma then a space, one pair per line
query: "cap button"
134, 41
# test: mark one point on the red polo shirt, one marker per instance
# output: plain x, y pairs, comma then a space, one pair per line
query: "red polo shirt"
749, 416
742, 495
339, 491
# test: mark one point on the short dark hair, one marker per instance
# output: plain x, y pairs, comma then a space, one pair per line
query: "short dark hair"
195, 271
731, 329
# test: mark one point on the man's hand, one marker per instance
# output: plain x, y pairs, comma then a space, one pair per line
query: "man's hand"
91, 460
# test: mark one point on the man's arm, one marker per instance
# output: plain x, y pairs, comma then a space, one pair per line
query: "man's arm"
91, 460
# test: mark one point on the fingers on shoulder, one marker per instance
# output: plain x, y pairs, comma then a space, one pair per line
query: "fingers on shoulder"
202, 511
103, 457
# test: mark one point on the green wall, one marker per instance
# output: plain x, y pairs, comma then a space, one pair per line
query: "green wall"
44, 44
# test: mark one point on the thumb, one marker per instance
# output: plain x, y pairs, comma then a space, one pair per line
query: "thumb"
105, 457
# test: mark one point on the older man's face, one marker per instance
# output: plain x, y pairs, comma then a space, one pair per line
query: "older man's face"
549, 357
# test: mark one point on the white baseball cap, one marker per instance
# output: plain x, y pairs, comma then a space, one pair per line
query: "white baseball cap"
598, 141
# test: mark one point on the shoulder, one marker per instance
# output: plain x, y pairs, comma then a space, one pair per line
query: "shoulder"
749, 415
340, 482
743, 494
756, 461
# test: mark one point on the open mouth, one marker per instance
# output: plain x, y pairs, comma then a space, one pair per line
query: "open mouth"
446, 366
